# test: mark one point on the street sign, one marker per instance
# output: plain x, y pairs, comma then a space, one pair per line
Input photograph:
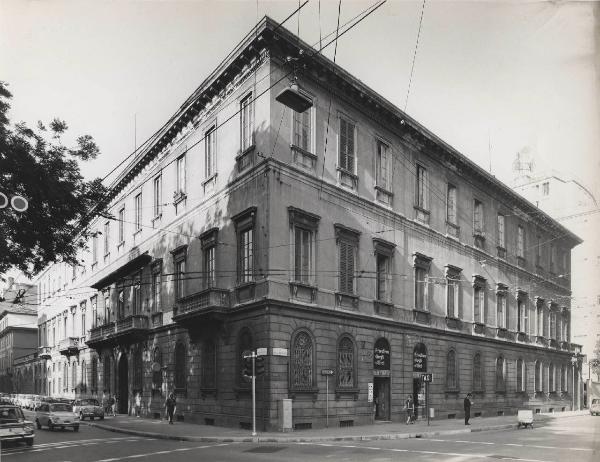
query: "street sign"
426, 377
261, 352
370, 392
326, 371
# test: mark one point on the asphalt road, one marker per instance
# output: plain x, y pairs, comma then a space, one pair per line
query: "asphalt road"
575, 439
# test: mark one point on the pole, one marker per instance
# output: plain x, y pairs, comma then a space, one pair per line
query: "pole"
427, 401
253, 394
327, 401
573, 393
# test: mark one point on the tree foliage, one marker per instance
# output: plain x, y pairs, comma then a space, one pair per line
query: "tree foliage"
595, 360
36, 165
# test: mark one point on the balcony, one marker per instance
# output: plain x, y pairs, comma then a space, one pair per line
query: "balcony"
45, 352
69, 346
202, 304
122, 332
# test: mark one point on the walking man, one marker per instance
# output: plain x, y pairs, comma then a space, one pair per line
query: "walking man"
468, 408
171, 406
410, 410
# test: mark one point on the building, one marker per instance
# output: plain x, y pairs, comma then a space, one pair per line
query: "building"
18, 332
346, 237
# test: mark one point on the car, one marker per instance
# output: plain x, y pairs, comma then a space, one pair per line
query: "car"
88, 407
56, 415
595, 406
14, 426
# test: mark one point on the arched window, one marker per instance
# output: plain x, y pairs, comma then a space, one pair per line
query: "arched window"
180, 367
551, 379
563, 378
157, 377
451, 377
245, 342
74, 376
520, 375
500, 374
65, 381
94, 381
477, 373
106, 383
538, 376
302, 362
138, 367
545, 378
84, 378
209, 365
346, 378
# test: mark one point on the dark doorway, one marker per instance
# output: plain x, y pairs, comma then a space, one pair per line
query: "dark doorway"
123, 396
419, 397
381, 387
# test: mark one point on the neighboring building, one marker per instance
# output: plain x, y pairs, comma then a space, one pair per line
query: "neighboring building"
18, 330
347, 237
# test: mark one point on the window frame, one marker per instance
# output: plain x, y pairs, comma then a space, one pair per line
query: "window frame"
310, 357
422, 187
303, 222
137, 201
453, 279
245, 224
246, 122
179, 270
347, 242
156, 285
451, 204
421, 265
310, 148
210, 152
348, 366
479, 300
452, 376
180, 175
121, 226
208, 243
157, 196
343, 155
383, 168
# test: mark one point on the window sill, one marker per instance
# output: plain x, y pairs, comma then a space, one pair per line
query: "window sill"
137, 232
479, 328
383, 308
453, 322
294, 392
422, 214
120, 244
347, 178
303, 151
501, 252
384, 190
209, 179
245, 291
178, 197
347, 392
208, 391
303, 291
245, 158
345, 300
156, 219
421, 316
501, 332
452, 230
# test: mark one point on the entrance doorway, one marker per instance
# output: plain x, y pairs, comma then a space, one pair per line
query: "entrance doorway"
123, 397
419, 397
381, 387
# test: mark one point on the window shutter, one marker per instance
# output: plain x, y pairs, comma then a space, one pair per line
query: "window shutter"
350, 149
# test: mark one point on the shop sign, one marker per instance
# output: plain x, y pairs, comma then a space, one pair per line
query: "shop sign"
420, 358
381, 355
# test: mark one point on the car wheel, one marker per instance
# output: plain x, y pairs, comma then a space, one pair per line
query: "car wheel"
76, 428
101, 417
50, 426
92, 417
29, 442
81, 416
62, 428
38, 424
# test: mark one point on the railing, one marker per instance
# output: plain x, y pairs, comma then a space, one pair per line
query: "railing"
207, 298
68, 344
135, 321
99, 332
45, 352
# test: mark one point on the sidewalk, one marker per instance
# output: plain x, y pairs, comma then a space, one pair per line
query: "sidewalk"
384, 431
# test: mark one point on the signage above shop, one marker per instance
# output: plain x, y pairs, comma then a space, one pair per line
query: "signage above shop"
420, 358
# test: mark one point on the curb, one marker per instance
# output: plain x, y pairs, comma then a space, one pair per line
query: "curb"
299, 439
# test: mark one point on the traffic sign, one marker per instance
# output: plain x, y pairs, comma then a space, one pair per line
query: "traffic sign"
326, 371
426, 377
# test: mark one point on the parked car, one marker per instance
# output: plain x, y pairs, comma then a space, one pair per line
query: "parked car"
56, 415
595, 406
88, 407
13, 426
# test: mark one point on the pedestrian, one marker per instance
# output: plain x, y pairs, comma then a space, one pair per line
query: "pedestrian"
468, 404
114, 405
171, 406
410, 410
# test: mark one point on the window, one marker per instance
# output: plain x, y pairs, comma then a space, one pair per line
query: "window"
563, 378
552, 324
478, 227
522, 313
137, 294
501, 309
451, 205
180, 260
346, 145
538, 376
121, 225
452, 291
451, 368
95, 248
106, 238
501, 235
74, 375
303, 229
94, 381
383, 166
500, 374
538, 251
246, 123
181, 174
244, 223
83, 326
545, 188
157, 196
383, 278
121, 304
479, 286
210, 152
552, 258
552, 379
346, 377
138, 378
302, 362
520, 242
180, 367
422, 200
347, 242
209, 365
157, 371
520, 375
138, 212
156, 285
107, 312
477, 373
302, 132
422, 264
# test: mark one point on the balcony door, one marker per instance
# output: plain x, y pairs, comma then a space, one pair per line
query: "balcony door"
123, 385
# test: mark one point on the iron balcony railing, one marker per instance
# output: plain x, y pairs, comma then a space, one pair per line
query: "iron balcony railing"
197, 302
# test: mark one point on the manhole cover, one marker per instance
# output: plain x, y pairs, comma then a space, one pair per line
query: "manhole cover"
265, 449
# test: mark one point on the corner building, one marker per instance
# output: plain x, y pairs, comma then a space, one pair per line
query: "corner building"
347, 237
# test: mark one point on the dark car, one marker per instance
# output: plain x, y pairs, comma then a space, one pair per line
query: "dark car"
13, 426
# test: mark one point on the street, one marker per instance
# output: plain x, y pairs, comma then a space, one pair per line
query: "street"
576, 438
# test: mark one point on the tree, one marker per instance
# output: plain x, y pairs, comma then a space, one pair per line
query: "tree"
37, 166
595, 360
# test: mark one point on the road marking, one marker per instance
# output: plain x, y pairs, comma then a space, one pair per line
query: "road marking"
70, 444
150, 454
508, 444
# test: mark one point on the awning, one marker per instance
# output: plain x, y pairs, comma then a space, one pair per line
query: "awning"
124, 270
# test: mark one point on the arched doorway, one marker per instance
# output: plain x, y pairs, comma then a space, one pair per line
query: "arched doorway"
381, 379
123, 397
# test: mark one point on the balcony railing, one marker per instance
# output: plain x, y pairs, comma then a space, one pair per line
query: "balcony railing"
200, 302
45, 352
68, 346
101, 332
126, 330
133, 322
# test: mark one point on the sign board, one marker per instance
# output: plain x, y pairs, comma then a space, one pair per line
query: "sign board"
381, 372
261, 352
427, 377
280, 351
326, 371
247, 354
381, 355
370, 392
420, 358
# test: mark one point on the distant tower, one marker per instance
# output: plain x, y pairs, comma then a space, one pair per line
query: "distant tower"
523, 166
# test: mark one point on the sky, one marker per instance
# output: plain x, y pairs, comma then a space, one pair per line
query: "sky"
490, 78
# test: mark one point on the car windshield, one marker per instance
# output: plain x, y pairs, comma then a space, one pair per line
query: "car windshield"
10, 414
60, 408
89, 402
